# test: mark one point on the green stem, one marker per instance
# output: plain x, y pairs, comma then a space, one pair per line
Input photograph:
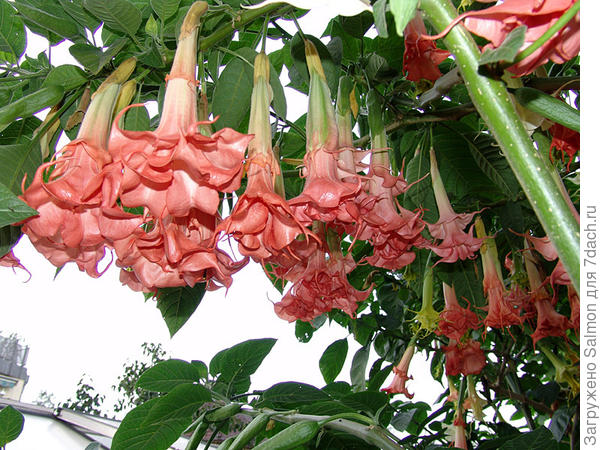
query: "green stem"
491, 99
559, 24
239, 21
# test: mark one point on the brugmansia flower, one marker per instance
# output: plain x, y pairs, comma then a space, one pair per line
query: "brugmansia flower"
549, 321
496, 22
427, 317
464, 357
398, 385
261, 221
565, 140
73, 224
456, 244
325, 197
322, 285
391, 229
500, 312
421, 57
459, 439
455, 320
10, 260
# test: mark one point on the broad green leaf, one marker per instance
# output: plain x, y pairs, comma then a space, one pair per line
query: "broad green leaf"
332, 361
9, 236
20, 132
180, 403
12, 209
539, 439
403, 12
379, 16
166, 375
88, 55
137, 119
11, 425
12, 33
291, 395
120, 15
559, 423
66, 76
233, 366
165, 8
408, 415
421, 193
467, 281
18, 161
151, 27
75, 9
30, 104
359, 367
231, 98
131, 435
507, 50
201, 369
366, 401
304, 330
356, 26
177, 304
51, 18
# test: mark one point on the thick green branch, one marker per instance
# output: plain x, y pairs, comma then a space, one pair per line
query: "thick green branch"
491, 99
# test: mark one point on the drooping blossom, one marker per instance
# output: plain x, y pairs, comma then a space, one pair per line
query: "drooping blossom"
565, 140
390, 228
427, 317
398, 385
465, 358
322, 285
73, 223
473, 401
421, 57
496, 22
261, 221
456, 244
500, 311
546, 248
549, 321
563, 372
327, 196
455, 320
459, 439
175, 168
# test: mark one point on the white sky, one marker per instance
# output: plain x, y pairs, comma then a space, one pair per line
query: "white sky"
76, 324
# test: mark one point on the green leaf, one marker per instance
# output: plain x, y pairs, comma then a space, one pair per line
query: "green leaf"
12, 209
549, 107
137, 119
292, 395
234, 365
181, 403
30, 104
356, 26
366, 401
167, 375
120, 15
178, 304
20, 132
421, 193
9, 236
507, 50
379, 16
559, 423
66, 76
75, 9
11, 424
403, 12
165, 8
12, 34
51, 18
332, 361
88, 55
132, 435
539, 439
231, 98
359, 367
18, 161
406, 417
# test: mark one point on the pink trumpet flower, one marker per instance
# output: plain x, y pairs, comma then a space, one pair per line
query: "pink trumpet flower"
455, 320
398, 385
456, 244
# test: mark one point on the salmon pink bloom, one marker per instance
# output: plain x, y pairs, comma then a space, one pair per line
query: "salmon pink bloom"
456, 244
455, 320
261, 221
322, 285
175, 168
325, 197
73, 225
464, 357
565, 140
500, 311
496, 22
421, 57
460, 436
10, 260
398, 385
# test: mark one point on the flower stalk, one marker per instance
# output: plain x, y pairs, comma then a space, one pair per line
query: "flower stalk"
491, 99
